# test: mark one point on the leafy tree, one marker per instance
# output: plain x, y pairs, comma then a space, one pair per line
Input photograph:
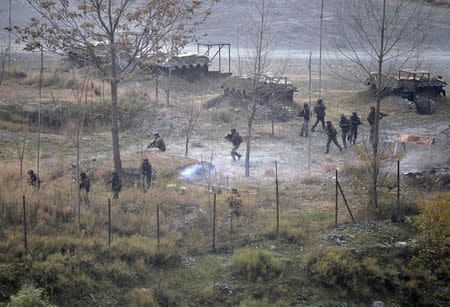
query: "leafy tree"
113, 36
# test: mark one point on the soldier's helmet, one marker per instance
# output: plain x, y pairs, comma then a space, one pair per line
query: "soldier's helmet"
319, 100
328, 122
145, 160
30, 172
233, 130
82, 174
156, 134
305, 104
354, 113
234, 191
372, 108
342, 115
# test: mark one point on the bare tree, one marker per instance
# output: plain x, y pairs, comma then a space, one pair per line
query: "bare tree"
20, 146
255, 65
192, 113
113, 35
74, 126
3, 56
378, 36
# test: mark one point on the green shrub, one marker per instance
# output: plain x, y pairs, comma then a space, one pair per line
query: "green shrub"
29, 296
256, 264
142, 298
251, 302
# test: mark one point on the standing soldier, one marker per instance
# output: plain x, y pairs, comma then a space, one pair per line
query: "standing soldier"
319, 109
85, 184
305, 113
157, 143
116, 184
236, 140
371, 119
146, 171
332, 133
354, 123
344, 124
33, 180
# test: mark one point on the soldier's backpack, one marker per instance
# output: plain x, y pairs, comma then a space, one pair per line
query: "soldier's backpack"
241, 139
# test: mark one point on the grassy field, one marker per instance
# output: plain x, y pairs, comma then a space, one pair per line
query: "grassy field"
308, 262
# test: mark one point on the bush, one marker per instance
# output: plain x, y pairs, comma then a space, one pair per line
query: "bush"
434, 222
255, 264
250, 302
29, 296
142, 298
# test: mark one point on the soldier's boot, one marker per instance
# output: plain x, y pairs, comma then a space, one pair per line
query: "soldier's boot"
239, 156
327, 151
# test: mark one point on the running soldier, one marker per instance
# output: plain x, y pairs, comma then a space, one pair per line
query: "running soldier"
116, 184
332, 133
371, 119
236, 140
146, 171
157, 143
33, 180
345, 125
354, 123
85, 186
319, 109
305, 113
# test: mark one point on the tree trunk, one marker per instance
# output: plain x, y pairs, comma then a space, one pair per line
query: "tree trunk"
115, 128
249, 138
377, 110
187, 147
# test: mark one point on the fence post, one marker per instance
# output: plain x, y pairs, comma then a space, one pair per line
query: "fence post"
157, 224
345, 201
277, 196
398, 189
214, 224
25, 239
109, 222
336, 204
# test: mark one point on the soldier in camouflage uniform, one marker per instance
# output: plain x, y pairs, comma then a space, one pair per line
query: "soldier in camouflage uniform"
371, 119
345, 125
116, 184
146, 171
157, 143
319, 109
331, 133
33, 180
85, 186
354, 123
306, 114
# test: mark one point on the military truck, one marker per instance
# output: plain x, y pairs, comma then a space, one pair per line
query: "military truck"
415, 85
267, 89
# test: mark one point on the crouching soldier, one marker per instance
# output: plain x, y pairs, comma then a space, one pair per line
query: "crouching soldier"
354, 123
146, 171
157, 143
371, 119
33, 180
116, 184
236, 140
344, 124
85, 186
332, 133
305, 113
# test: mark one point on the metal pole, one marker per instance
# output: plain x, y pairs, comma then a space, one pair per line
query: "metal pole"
157, 224
229, 58
214, 224
320, 51
277, 196
220, 60
109, 223
307, 127
25, 241
398, 189
336, 206
345, 201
